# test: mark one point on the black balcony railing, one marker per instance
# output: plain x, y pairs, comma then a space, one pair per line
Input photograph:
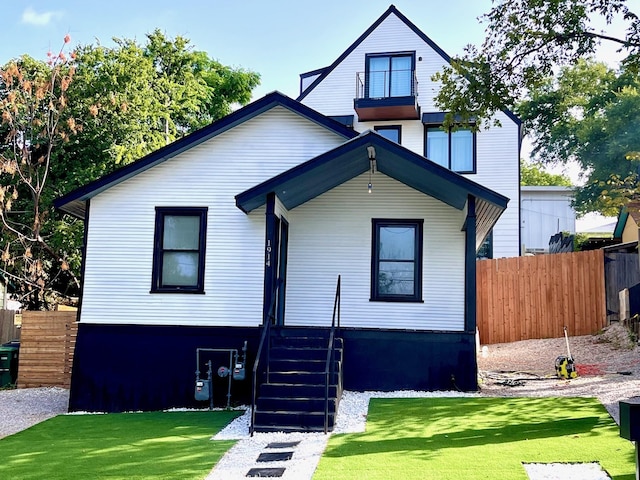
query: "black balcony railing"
378, 84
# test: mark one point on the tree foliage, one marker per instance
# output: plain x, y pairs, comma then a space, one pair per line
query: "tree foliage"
526, 40
113, 106
33, 97
590, 114
534, 174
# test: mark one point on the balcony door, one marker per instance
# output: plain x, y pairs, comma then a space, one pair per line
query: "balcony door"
389, 76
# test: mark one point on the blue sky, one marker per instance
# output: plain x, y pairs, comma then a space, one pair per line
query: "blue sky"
279, 38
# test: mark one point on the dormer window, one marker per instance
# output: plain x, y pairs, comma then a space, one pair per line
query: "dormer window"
388, 88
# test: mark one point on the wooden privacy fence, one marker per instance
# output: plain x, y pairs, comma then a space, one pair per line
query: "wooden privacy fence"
8, 331
47, 343
525, 298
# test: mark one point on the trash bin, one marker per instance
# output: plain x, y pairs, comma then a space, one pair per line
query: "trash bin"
8, 365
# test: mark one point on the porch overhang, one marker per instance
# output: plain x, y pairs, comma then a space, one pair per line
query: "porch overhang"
335, 167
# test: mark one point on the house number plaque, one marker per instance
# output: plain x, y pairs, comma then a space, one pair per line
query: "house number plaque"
268, 254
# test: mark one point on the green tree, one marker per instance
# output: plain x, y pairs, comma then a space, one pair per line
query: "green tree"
534, 174
526, 41
590, 114
33, 99
123, 103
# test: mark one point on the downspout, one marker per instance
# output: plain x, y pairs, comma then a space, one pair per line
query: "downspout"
470, 267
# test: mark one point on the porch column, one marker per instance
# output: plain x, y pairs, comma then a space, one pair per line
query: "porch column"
470, 266
270, 255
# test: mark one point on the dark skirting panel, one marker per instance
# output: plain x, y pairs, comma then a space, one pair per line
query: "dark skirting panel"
132, 367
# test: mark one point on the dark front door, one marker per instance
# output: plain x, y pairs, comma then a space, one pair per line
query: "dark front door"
282, 271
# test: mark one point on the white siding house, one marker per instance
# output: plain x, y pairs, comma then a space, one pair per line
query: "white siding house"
239, 232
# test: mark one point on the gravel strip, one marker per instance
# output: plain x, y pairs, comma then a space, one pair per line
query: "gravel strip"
610, 362
24, 407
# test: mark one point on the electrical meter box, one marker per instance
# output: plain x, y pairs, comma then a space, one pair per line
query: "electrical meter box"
203, 390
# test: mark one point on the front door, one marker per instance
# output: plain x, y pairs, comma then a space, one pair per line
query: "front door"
282, 271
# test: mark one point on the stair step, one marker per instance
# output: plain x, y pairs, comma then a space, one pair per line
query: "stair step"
294, 364
308, 341
288, 390
296, 404
302, 353
289, 428
302, 378
280, 418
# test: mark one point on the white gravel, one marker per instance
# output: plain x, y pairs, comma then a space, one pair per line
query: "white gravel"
565, 471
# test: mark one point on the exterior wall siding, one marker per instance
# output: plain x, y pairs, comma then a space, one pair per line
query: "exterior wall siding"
121, 226
497, 165
331, 235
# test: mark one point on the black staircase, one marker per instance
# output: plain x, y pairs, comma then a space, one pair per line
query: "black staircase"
293, 397
298, 378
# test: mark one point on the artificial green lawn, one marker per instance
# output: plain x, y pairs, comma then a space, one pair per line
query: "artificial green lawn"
476, 438
173, 445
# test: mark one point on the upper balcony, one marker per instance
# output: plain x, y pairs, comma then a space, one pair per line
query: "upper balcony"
387, 95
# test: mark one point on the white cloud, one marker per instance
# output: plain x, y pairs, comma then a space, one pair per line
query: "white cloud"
32, 17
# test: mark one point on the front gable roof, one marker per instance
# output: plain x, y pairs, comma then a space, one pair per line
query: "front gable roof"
330, 169
324, 72
74, 202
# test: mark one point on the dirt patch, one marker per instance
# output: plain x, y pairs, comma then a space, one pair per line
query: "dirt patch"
608, 365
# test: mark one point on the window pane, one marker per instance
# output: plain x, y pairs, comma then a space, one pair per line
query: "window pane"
180, 268
438, 146
181, 232
392, 134
378, 77
397, 243
396, 278
462, 151
400, 76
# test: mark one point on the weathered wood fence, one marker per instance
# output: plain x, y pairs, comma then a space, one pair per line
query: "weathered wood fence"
47, 344
8, 331
621, 270
523, 298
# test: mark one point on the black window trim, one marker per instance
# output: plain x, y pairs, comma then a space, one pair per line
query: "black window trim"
427, 126
416, 297
367, 69
397, 128
156, 282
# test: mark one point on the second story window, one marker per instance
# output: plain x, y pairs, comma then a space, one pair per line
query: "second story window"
453, 149
389, 75
392, 132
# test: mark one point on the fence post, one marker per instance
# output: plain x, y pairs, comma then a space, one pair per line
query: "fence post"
625, 307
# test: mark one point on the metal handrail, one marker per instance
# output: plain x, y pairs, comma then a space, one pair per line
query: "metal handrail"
329, 368
264, 338
362, 82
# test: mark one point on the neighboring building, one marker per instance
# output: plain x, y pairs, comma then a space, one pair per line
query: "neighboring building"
383, 82
250, 221
626, 229
544, 212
